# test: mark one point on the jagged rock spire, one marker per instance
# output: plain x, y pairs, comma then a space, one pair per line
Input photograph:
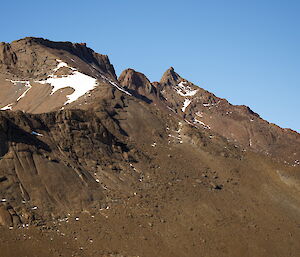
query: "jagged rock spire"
135, 80
170, 77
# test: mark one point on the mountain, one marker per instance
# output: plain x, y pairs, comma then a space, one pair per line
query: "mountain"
95, 165
238, 124
34, 73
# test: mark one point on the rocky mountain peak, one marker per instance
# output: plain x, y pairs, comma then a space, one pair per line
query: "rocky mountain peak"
32, 57
138, 84
134, 80
170, 77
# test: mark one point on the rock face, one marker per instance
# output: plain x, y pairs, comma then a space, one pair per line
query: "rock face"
32, 70
165, 164
239, 124
139, 85
170, 77
37, 161
5, 217
31, 58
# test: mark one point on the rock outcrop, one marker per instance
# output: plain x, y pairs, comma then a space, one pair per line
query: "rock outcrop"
139, 85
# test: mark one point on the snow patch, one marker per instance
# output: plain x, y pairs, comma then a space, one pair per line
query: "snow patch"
189, 122
179, 127
185, 90
115, 85
7, 107
27, 84
62, 64
16, 82
36, 134
211, 104
110, 82
171, 109
196, 121
199, 114
81, 83
186, 104
119, 88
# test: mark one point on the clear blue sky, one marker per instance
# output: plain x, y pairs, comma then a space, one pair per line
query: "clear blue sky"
247, 51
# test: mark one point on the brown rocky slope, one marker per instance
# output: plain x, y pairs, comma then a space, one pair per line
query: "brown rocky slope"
134, 168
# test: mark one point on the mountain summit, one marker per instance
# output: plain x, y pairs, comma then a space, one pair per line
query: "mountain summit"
169, 77
92, 164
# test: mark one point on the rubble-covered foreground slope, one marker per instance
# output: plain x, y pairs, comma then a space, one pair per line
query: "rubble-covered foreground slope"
136, 168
